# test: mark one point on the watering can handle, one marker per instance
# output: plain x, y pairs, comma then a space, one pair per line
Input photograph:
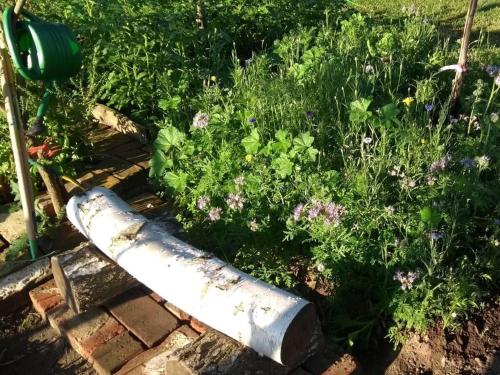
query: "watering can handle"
9, 21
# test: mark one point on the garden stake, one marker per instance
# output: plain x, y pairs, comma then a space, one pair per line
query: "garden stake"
16, 131
462, 60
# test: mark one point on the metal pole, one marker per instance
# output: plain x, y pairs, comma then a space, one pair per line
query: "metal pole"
16, 130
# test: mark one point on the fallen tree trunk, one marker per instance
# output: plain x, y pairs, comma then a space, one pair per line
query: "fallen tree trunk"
86, 278
272, 321
120, 122
216, 354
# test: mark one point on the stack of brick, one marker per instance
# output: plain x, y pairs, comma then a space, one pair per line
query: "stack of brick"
139, 333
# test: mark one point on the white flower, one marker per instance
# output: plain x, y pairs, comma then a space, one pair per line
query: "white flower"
494, 117
200, 120
320, 267
368, 140
253, 225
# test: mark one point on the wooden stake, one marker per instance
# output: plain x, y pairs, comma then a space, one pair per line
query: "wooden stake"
462, 60
16, 129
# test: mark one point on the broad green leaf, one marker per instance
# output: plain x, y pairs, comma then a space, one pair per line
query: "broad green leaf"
169, 137
283, 143
359, 110
159, 163
388, 114
303, 141
177, 181
171, 103
252, 142
312, 153
283, 166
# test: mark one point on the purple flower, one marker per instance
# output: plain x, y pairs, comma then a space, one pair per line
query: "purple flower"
315, 210
214, 214
468, 163
440, 165
235, 201
310, 115
492, 70
252, 120
200, 120
297, 211
429, 107
202, 202
333, 213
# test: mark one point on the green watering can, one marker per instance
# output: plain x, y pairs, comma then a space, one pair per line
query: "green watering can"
41, 51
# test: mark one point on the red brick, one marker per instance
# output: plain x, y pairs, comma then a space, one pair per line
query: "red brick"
110, 329
111, 356
157, 298
152, 361
141, 315
45, 297
181, 315
197, 325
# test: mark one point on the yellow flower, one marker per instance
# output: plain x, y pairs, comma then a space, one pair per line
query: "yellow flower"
213, 78
249, 158
423, 141
408, 101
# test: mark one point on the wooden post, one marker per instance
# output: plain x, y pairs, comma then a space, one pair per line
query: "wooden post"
462, 60
56, 190
16, 129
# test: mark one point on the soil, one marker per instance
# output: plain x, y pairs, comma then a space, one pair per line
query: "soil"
28, 345
473, 349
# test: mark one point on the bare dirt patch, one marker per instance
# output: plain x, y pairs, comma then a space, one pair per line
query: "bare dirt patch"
28, 345
473, 349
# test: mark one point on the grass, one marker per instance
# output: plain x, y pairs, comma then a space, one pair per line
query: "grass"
450, 15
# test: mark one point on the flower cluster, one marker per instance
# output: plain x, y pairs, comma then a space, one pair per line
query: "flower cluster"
202, 202
330, 212
406, 280
235, 201
214, 214
440, 165
200, 120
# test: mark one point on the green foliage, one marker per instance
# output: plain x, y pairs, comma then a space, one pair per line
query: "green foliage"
312, 154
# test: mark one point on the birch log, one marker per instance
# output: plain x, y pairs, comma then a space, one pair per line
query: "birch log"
273, 322
120, 122
86, 278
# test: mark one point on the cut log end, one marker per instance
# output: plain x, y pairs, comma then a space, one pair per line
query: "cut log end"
297, 339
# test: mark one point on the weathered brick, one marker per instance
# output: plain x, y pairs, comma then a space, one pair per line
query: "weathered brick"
45, 297
111, 356
110, 329
197, 325
181, 315
141, 315
153, 360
